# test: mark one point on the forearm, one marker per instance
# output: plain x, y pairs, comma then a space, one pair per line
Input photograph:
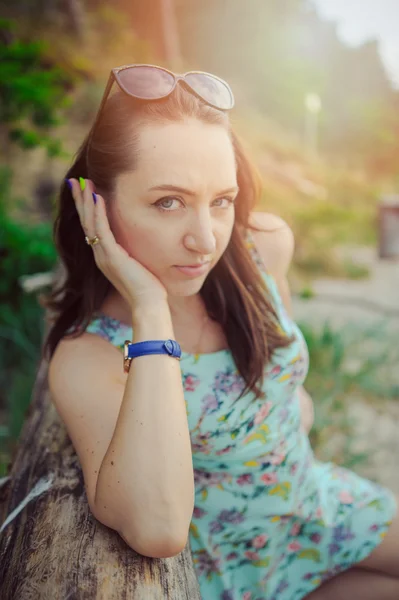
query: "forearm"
146, 477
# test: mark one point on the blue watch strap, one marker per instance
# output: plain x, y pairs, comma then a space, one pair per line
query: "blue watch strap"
170, 347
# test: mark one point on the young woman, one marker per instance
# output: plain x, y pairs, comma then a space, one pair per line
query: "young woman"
161, 247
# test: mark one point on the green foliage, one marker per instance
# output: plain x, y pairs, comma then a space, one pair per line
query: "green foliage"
24, 250
355, 271
320, 227
306, 293
32, 92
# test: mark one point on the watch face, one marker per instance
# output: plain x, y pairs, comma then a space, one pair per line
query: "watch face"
168, 345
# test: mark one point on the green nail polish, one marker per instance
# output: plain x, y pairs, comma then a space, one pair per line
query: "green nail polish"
82, 183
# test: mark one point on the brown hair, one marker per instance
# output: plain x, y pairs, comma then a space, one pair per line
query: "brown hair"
234, 292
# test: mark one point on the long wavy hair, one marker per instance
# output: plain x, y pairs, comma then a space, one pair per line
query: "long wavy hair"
234, 293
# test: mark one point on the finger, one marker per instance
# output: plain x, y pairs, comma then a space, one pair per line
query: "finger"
81, 203
88, 207
103, 230
78, 199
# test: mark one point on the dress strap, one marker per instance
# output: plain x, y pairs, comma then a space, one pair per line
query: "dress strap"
110, 329
250, 244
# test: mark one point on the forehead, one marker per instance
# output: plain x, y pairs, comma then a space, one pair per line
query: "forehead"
192, 154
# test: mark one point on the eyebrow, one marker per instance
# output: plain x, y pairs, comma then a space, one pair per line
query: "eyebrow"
182, 190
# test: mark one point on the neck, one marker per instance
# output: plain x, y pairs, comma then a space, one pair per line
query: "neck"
181, 307
191, 305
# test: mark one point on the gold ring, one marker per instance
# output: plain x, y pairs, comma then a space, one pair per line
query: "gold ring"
92, 241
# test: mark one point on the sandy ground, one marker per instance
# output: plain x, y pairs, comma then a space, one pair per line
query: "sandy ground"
364, 303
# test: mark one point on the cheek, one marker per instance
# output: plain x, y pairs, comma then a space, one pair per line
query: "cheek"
147, 247
153, 248
224, 237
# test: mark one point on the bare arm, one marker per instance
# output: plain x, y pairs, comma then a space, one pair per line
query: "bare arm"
138, 422
145, 484
276, 250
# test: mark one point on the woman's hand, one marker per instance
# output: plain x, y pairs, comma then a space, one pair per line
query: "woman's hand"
133, 281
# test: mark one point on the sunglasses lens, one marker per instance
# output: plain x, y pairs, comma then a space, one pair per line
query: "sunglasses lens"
146, 82
211, 89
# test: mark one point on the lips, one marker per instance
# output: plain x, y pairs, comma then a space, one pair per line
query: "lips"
194, 266
194, 271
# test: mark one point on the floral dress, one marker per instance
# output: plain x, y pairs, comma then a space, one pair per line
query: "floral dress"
270, 521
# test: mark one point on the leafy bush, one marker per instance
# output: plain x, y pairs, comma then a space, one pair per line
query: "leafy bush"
24, 250
31, 90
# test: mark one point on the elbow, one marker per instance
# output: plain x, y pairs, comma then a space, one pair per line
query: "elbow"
146, 543
162, 541
161, 547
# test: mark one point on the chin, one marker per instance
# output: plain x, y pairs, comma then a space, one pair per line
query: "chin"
185, 288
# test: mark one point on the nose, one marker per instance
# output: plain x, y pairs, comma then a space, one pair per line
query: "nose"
200, 237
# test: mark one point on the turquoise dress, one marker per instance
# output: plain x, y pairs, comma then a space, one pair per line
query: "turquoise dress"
270, 521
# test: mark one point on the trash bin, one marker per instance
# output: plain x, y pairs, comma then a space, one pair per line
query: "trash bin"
388, 227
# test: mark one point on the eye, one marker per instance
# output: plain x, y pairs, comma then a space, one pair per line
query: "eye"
229, 201
160, 202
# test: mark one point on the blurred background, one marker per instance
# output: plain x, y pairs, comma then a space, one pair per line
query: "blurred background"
317, 103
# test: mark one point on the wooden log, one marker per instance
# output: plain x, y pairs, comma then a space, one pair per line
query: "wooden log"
51, 546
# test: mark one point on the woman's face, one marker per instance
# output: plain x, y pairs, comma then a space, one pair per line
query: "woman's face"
192, 216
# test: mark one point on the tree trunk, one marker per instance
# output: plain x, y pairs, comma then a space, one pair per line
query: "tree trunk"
51, 546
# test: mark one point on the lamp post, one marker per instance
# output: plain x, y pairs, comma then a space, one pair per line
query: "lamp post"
313, 107
171, 35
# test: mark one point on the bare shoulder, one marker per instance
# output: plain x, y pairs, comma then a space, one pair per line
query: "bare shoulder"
275, 242
76, 355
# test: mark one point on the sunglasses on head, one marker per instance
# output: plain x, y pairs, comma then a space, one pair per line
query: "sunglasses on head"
150, 82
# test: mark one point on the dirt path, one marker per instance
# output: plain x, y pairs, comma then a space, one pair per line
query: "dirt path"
364, 303
373, 298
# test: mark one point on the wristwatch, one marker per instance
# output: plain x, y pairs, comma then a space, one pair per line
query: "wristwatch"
130, 350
